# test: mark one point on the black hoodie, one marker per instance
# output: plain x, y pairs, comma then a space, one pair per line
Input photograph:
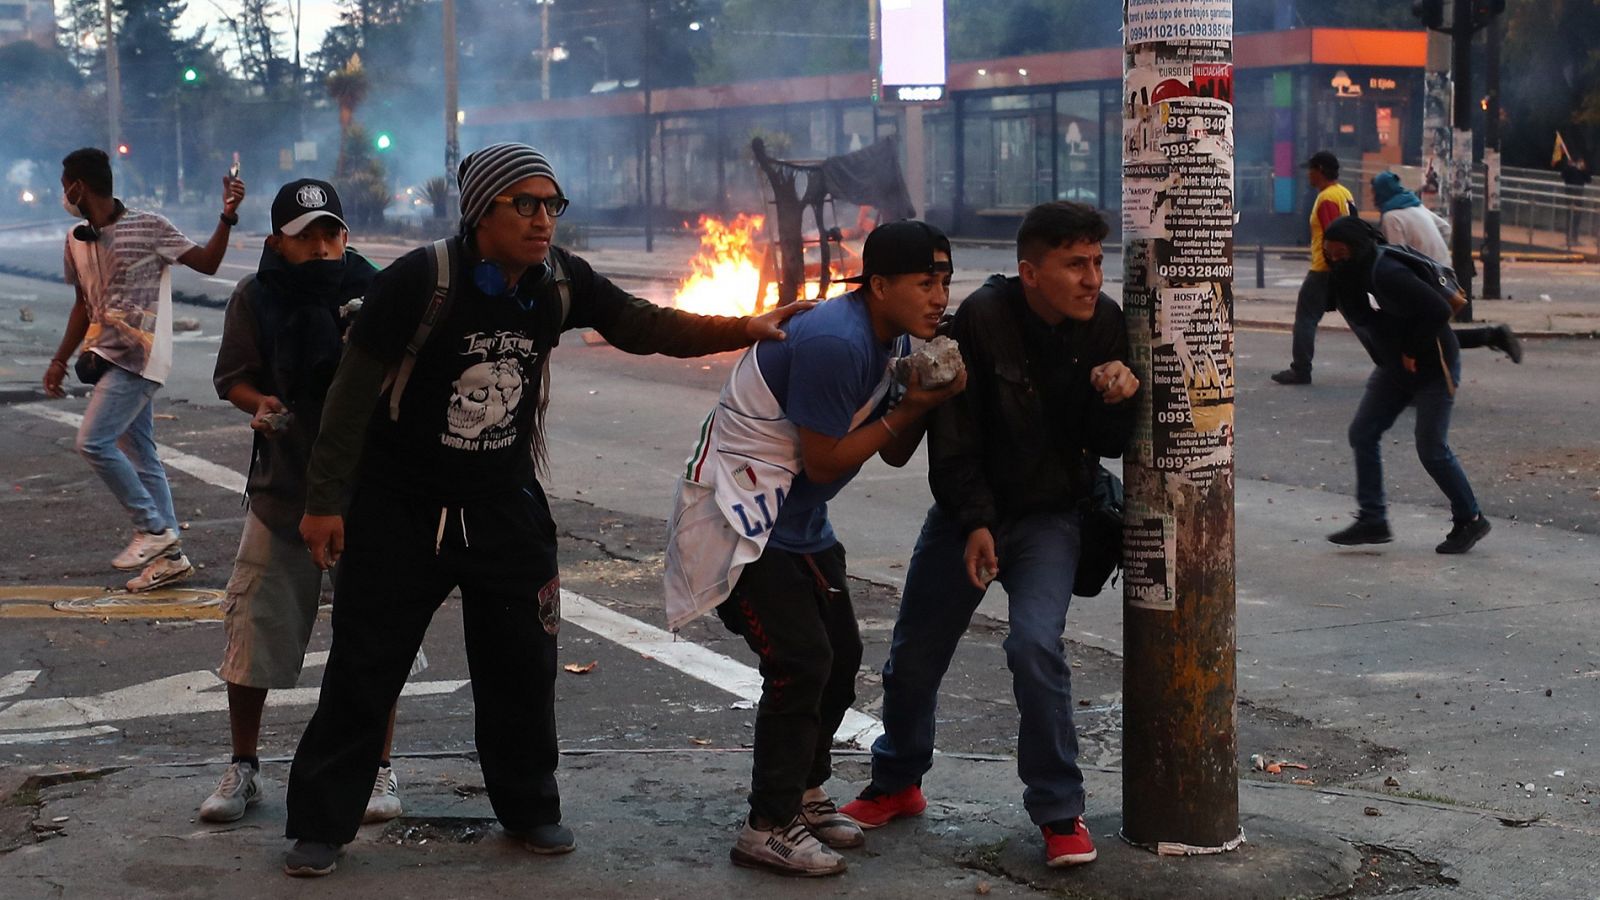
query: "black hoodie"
1410, 317
285, 340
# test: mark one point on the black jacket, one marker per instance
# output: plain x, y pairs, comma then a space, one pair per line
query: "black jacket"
993, 456
285, 342
1412, 318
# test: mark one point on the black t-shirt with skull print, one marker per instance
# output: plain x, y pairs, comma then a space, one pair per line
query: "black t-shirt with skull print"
467, 415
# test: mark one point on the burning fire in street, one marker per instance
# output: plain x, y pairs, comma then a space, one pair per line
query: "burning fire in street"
725, 276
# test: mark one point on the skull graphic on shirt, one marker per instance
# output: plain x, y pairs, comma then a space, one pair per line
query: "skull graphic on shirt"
484, 397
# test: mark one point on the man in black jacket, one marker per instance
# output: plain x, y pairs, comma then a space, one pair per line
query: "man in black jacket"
442, 492
1404, 324
1010, 461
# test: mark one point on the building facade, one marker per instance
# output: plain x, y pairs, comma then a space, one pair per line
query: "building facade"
1011, 132
28, 20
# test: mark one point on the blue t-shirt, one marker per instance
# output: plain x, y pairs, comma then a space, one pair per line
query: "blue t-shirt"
822, 374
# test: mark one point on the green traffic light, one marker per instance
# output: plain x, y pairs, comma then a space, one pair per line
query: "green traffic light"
383, 142
191, 75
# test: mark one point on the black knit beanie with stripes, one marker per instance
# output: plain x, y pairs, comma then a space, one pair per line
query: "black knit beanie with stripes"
487, 172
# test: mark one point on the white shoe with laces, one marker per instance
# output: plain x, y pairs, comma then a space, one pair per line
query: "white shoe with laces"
237, 792
789, 849
165, 570
384, 804
145, 547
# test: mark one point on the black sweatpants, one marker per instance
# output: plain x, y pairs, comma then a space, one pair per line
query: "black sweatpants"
794, 611
395, 572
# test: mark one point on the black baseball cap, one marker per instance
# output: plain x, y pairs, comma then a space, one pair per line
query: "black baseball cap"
299, 203
1324, 162
902, 248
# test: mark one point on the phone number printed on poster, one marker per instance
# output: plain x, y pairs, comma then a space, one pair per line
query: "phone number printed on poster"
1178, 20
1192, 381
1149, 553
1196, 136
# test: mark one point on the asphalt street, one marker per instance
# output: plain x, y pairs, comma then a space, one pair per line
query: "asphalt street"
1469, 683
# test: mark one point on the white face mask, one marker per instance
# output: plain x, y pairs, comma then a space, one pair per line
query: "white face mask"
71, 208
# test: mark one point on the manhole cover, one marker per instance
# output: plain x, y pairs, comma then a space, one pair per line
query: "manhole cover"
52, 601
192, 604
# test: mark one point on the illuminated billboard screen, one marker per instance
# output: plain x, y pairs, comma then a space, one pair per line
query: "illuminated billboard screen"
911, 51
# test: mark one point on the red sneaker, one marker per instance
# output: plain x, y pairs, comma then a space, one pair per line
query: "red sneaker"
875, 809
1073, 848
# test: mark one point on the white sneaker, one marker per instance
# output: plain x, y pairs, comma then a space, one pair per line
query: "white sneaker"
831, 827
789, 849
165, 570
384, 804
145, 547
237, 792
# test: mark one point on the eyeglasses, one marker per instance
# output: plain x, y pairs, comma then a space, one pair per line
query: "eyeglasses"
527, 205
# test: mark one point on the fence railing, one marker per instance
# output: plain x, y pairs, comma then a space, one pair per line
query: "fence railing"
1537, 208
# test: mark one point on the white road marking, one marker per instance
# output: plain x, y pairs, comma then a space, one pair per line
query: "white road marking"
203, 469
58, 718
693, 660
230, 282
17, 682
180, 694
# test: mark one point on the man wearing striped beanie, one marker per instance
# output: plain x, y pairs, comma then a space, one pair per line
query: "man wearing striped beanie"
424, 483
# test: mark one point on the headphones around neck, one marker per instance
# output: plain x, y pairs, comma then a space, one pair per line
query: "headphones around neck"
488, 278
88, 234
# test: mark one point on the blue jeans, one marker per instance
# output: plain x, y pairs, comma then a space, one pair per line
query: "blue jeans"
1388, 392
118, 439
1038, 556
1309, 308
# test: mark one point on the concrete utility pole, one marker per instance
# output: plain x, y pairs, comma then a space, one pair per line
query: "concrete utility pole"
1461, 153
1180, 791
452, 107
113, 92
544, 48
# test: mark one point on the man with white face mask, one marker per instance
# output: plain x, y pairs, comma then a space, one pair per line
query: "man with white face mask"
118, 260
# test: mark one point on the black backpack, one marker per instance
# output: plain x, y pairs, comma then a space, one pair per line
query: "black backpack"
1428, 270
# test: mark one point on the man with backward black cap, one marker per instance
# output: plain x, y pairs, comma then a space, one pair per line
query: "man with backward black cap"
750, 534
436, 439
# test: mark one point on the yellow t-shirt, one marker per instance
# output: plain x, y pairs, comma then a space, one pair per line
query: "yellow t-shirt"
1334, 201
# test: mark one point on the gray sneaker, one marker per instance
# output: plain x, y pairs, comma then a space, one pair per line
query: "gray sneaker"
311, 859
831, 827
789, 849
238, 790
384, 804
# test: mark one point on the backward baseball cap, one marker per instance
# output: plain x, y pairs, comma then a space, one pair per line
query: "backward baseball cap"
303, 201
906, 247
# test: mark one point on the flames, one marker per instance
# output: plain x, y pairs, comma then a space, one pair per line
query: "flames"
725, 275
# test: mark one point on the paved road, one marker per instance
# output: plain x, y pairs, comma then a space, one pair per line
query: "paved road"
1469, 681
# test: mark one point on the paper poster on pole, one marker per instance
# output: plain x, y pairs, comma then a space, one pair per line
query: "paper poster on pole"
1179, 20
1149, 557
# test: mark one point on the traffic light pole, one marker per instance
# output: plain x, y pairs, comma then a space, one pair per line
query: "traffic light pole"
1461, 153
1491, 165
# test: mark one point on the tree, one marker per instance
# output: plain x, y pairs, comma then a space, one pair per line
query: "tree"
258, 42
34, 80
752, 39
81, 31
1552, 79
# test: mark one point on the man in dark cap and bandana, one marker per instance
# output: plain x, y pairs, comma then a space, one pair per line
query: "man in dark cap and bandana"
424, 479
1404, 323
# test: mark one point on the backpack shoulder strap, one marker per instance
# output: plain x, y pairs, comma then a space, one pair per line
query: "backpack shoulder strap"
563, 289
441, 263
